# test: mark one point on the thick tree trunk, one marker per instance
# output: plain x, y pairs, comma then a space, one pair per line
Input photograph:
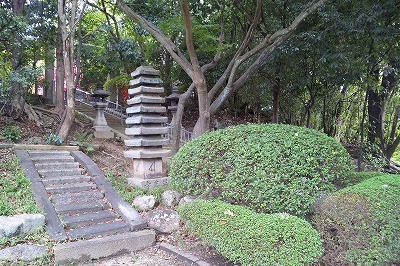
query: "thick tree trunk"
49, 75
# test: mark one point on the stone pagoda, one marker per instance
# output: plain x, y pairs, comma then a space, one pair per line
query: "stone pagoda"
146, 125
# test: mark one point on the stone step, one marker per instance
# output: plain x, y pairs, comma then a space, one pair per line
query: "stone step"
76, 208
87, 219
67, 188
78, 252
53, 165
103, 229
48, 173
86, 196
37, 153
52, 159
65, 180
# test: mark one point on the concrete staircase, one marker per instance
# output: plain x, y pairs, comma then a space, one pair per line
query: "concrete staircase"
80, 204
117, 124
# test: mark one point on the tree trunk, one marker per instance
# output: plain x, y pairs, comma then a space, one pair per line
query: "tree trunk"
49, 75
177, 122
68, 59
60, 74
16, 87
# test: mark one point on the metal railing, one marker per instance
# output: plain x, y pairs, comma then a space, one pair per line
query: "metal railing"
185, 137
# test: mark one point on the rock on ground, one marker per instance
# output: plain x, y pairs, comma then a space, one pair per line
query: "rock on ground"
144, 203
22, 252
170, 198
11, 226
164, 221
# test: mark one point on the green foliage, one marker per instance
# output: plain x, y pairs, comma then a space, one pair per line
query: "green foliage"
120, 81
15, 194
357, 177
129, 192
11, 132
360, 224
269, 167
83, 140
52, 138
250, 238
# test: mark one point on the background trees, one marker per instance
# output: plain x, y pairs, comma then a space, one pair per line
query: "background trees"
332, 67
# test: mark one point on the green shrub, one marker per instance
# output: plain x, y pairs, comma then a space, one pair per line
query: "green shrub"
270, 168
357, 177
11, 132
360, 224
250, 238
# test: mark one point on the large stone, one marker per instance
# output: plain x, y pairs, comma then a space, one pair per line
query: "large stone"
10, 226
170, 198
144, 203
31, 222
22, 252
145, 70
164, 221
146, 141
146, 119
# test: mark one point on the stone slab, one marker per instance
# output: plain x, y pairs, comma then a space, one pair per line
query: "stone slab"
97, 230
149, 183
82, 197
147, 153
75, 208
145, 90
88, 218
48, 152
77, 187
143, 130
145, 141
146, 108
43, 147
57, 165
85, 250
54, 172
65, 180
145, 99
50, 159
145, 70
145, 81
104, 134
146, 119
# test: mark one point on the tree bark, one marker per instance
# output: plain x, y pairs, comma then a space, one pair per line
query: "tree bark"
60, 73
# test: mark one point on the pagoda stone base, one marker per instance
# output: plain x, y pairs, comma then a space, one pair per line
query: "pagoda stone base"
149, 183
147, 168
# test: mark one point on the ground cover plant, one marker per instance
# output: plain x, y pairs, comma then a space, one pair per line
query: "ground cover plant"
15, 198
269, 167
249, 238
360, 224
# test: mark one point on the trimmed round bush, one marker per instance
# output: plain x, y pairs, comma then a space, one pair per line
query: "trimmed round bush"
360, 224
250, 238
268, 167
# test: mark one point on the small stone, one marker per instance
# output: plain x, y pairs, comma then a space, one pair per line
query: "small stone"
187, 199
164, 221
22, 252
170, 198
144, 203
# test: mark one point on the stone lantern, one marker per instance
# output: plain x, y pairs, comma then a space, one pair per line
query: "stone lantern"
101, 129
173, 100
